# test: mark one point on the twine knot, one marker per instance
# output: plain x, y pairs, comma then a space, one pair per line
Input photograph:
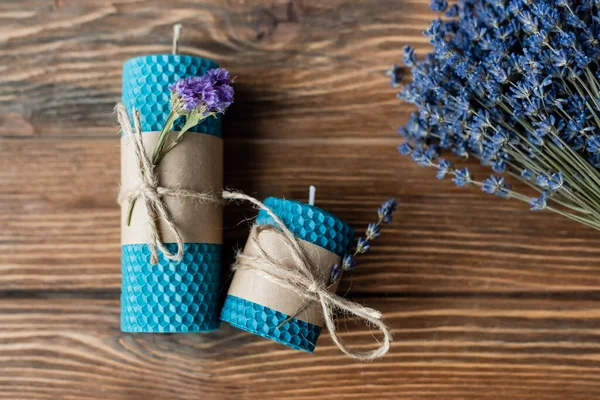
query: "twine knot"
302, 280
151, 192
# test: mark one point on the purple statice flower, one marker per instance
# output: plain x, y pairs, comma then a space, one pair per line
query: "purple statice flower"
194, 92
224, 98
212, 93
196, 98
218, 76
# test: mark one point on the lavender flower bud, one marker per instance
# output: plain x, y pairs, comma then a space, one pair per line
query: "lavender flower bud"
386, 210
335, 274
539, 203
439, 5
362, 246
462, 177
349, 263
372, 232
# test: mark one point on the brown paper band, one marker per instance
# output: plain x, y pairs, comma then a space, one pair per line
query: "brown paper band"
196, 164
251, 286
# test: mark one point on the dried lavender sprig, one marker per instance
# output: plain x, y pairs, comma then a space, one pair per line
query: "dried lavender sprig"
385, 216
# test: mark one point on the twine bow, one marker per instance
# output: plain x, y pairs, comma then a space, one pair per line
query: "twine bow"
151, 192
301, 280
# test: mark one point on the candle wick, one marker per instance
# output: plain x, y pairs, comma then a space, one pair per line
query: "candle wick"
312, 191
176, 34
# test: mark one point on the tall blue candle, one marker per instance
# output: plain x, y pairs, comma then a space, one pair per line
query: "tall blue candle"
172, 296
257, 305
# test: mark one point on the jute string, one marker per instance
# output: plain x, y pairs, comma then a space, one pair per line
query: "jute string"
301, 279
151, 192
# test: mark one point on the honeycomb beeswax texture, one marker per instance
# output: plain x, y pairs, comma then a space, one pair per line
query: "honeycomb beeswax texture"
309, 223
170, 296
146, 83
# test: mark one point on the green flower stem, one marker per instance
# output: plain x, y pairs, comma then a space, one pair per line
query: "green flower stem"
130, 210
587, 196
519, 196
173, 143
585, 88
300, 311
587, 199
574, 217
592, 224
592, 82
162, 137
567, 162
570, 156
566, 204
192, 119
157, 153
590, 190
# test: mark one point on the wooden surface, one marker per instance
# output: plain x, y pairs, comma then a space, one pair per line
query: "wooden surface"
486, 299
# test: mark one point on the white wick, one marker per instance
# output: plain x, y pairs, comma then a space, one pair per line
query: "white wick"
312, 191
176, 34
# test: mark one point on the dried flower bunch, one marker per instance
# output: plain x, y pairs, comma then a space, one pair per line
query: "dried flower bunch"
196, 98
514, 84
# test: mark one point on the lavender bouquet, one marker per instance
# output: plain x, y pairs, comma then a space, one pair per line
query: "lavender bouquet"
514, 84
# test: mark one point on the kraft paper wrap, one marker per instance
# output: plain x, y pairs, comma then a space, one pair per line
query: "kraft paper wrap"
196, 163
249, 285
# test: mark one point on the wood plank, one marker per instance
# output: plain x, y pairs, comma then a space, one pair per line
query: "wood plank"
445, 348
299, 64
61, 223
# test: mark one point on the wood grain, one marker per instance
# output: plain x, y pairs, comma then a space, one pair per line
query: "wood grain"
486, 299
291, 58
444, 348
61, 222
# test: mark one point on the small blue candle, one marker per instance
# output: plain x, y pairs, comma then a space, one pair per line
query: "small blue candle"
171, 296
246, 309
